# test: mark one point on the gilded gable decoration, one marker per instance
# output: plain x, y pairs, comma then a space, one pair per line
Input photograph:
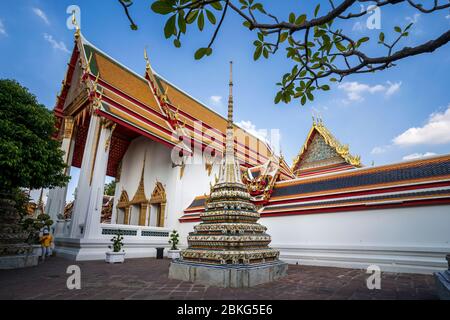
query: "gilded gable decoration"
322, 149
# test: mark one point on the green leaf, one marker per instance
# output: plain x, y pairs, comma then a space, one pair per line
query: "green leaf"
381, 37
292, 17
211, 17
257, 53
177, 43
191, 16
283, 36
360, 41
266, 53
333, 79
200, 53
182, 23
365, 39
316, 11
303, 100
260, 36
208, 51
398, 29
278, 97
300, 19
217, 6
310, 96
201, 21
340, 46
325, 87
162, 7
246, 24
259, 7
170, 27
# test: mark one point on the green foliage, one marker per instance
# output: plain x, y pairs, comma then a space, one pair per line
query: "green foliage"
117, 242
29, 157
110, 188
21, 199
174, 240
320, 51
35, 226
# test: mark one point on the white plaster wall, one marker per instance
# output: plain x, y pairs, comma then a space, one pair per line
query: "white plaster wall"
158, 167
417, 226
412, 240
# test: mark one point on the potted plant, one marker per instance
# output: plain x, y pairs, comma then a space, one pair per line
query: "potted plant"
117, 255
174, 252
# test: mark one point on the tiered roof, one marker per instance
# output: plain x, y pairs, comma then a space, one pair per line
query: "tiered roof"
409, 183
152, 106
322, 152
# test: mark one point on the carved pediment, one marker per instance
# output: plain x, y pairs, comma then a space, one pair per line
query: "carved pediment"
158, 194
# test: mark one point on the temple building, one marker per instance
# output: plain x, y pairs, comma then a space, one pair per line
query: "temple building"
164, 148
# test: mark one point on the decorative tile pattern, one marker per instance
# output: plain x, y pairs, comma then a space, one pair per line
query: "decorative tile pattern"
147, 233
107, 231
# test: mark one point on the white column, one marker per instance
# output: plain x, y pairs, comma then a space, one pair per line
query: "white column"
83, 191
56, 199
93, 216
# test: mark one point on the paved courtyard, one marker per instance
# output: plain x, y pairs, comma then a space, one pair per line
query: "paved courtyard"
147, 279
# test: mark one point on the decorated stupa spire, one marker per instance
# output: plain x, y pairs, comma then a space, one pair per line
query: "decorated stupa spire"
230, 98
229, 233
229, 171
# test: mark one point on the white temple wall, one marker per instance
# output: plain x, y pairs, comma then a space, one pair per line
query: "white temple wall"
158, 168
413, 240
398, 240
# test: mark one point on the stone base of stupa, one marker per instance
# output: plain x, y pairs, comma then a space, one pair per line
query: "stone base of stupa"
442, 280
228, 276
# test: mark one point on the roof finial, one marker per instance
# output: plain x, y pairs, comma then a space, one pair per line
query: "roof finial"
147, 62
230, 98
75, 24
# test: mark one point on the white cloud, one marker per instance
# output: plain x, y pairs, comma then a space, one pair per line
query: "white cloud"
2, 29
416, 155
59, 45
414, 18
216, 100
435, 131
379, 150
355, 91
392, 88
251, 128
41, 14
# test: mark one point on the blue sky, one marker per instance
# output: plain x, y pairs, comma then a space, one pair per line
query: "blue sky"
384, 117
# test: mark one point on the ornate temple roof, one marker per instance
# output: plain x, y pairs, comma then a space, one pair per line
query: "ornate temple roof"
322, 152
409, 183
152, 106
381, 176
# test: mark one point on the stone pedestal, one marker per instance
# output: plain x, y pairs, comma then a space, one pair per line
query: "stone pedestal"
14, 252
18, 261
443, 282
227, 276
